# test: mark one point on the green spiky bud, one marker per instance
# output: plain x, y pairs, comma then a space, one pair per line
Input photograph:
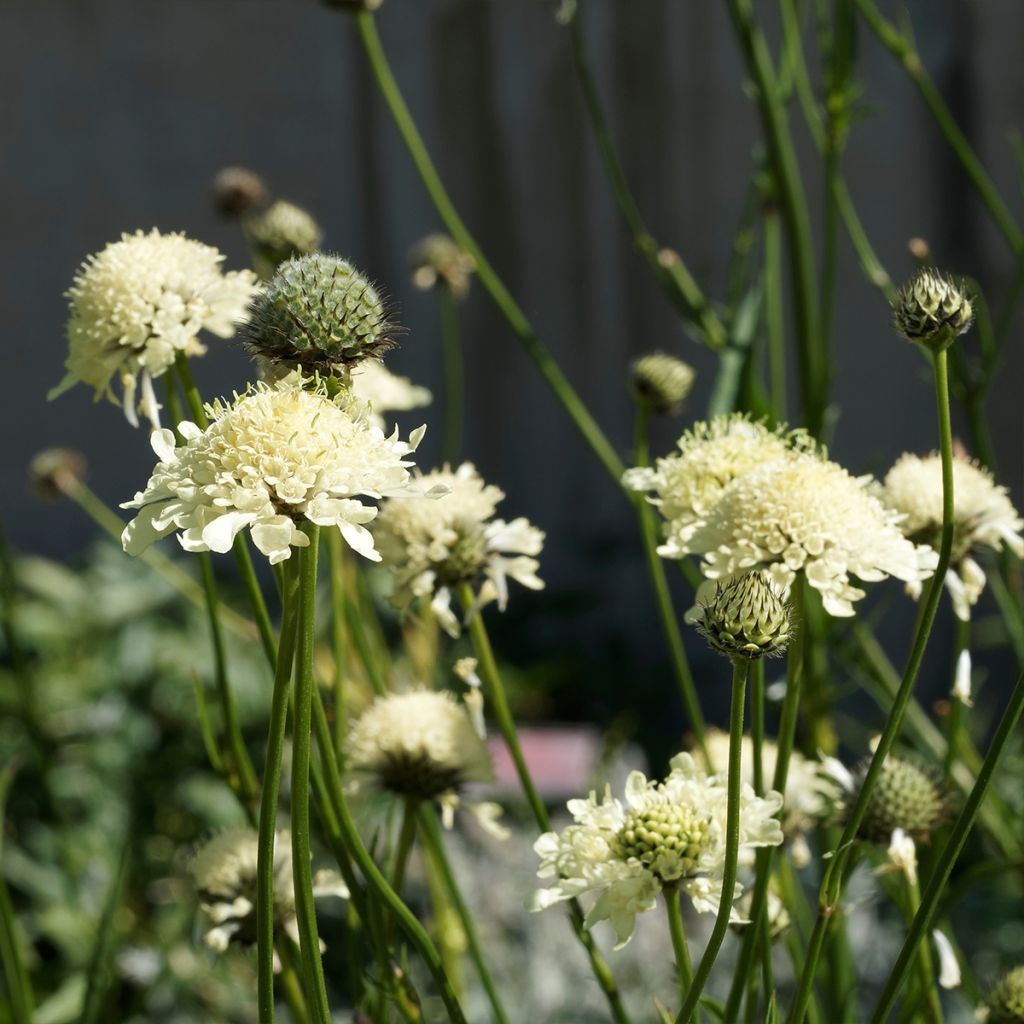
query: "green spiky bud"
237, 189
315, 313
659, 829
661, 382
440, 260
278, 233
932, 309
56, 472
1006, 1000
746, 618
905, 796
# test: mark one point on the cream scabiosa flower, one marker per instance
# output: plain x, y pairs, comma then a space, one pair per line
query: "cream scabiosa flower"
669, 833
272, 459
983, 517
422, 745
805, 513
137, 303
224, 873
811, 791
385, 391
433, 545
685, 487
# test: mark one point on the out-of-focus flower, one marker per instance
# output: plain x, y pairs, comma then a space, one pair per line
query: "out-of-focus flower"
237, 189
224, 872
668, 833
962, 679
385, 391
949, 966
778, 916
906, 797
440, 260
422, 745
901, 856
1006, 1000
139, 302
432, 545
274, 458
983, 518
56, 472
278, 233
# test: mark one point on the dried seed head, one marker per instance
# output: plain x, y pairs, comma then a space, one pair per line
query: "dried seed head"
933, 308
662, 382
746, 618
237, 189
315, 313
440, 260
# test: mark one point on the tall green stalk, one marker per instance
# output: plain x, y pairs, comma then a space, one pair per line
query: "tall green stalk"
509, 308
495, 692
939, 879
832, 884
684, 968
305, 910
268, 799
662, 594
732, 844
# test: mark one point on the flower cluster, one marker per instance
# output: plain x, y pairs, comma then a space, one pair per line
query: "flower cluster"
666, 833
433, 545
983, 517
422, 745
138, 303
224, 872
276, 457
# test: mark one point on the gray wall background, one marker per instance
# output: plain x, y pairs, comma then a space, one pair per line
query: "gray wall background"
117, 113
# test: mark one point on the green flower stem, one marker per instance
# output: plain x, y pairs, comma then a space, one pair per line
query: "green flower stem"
939, 879
925, 968
19, 987
454, 373
305, 910
433, 843
668, 269
795, 213
269, 797
358, 631
240, 548
517, 320
774, 314
495, 693
794, 899
288, 980
903, 49
348, 834
732, 843
832, 884
763, 939
662, 594
684, 968
339, 634
406, 840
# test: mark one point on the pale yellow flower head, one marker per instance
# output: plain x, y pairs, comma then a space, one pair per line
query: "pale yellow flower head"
274, 458
983, 517
664, 833
137, 303
224, 873
803, 513
685, 487
431, 545
421, 745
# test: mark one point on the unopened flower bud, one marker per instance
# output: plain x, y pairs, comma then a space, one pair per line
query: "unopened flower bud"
440, 260
906, 797
278, 233
746, 618
932, 309
316, 312
237, 189
661, 382
1006, 1000
920, 250
56, 472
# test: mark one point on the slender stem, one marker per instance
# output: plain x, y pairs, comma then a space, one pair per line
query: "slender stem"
732, 843
794, 209
358, 630
268, 800
668, 269
433, 842
763, 938
339, 634
773, 313
833, 881
19, 987
517, 320
406, 839
454, 386
939, 878
684, 968
925, 967
662, 594
495, 691
305, 910
903, 49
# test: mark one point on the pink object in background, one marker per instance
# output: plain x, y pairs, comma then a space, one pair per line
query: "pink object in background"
562, 759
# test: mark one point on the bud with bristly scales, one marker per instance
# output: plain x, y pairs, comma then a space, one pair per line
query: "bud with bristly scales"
932, 309
661, 382
746, 618
278, 233
906, 796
